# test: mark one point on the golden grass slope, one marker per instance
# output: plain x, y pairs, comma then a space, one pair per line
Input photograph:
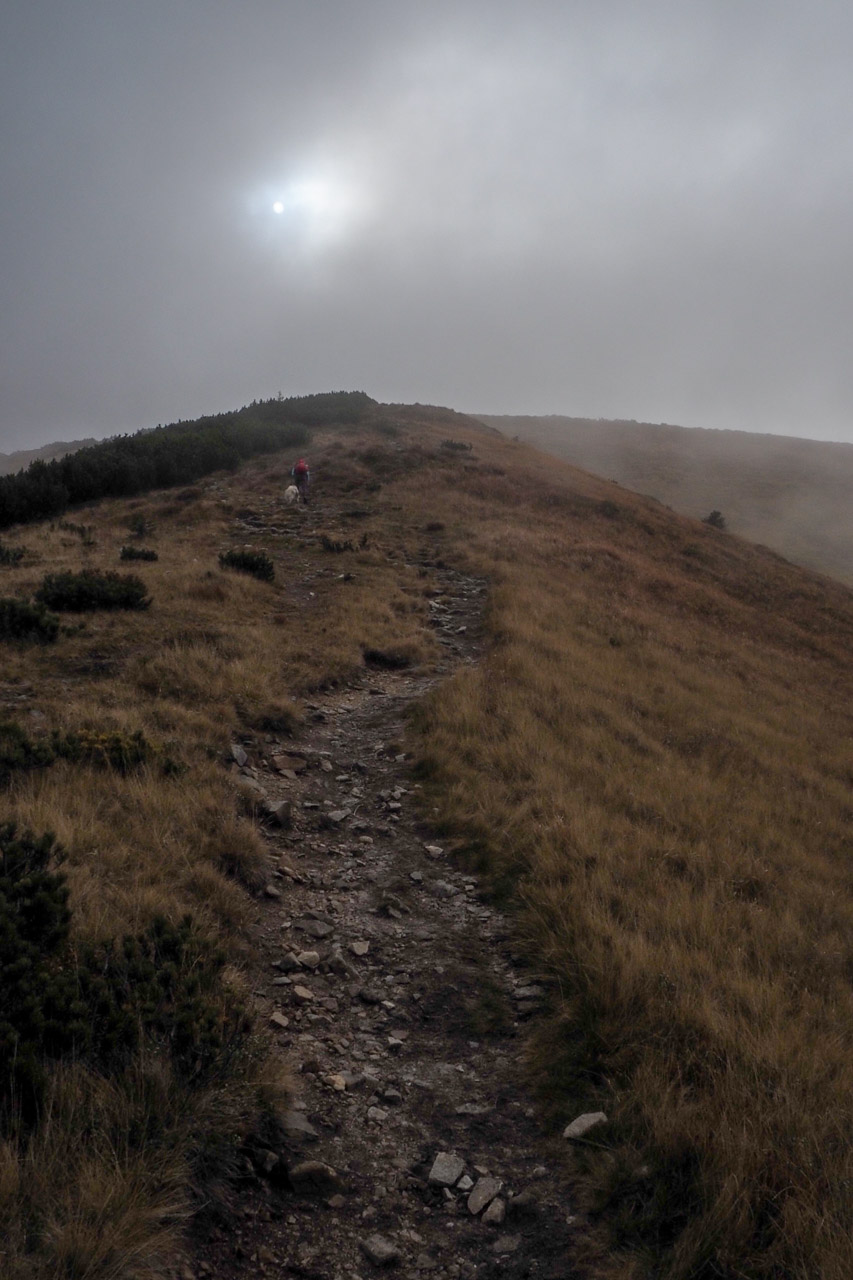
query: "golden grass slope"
653, 761
789, 494
656, 760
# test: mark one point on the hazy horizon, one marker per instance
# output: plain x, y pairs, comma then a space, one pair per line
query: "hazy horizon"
549, 207
476, 415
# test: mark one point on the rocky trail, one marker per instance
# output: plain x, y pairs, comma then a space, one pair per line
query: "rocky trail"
389, 984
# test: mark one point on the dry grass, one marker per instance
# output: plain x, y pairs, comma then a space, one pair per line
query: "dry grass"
654, 761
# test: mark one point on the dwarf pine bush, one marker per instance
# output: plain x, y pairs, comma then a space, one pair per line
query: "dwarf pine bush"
11, 555
107, 749
138, 553
21, 620
161, 986
257, 563
40, 1014
90, 590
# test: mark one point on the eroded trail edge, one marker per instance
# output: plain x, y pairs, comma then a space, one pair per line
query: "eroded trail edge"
391, 988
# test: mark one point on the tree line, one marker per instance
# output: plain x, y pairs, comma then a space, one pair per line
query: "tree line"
179, 453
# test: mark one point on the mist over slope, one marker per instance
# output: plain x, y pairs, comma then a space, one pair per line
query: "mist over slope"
12, 462
790, 494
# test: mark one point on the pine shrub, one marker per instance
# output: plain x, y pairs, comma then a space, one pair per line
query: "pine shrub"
90, 589
19, 751
11, 555
40, 1012
120, 752
165, 985
139, 526
138, 553
21, 620
161, 988
257, 563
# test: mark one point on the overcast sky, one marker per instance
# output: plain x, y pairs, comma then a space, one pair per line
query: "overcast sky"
608, 208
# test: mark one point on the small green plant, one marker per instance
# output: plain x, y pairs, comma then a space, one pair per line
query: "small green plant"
90, 589
257, 563
609, 509
335, 546
716, 520
19, 751
11, 555
21, 620
120, 752
138, 553
456, 446
85, 532
139, 527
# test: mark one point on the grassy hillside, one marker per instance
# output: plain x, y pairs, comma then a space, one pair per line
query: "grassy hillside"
789, 494
652, 763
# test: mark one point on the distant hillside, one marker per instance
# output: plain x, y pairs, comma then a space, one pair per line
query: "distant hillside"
789, 494
12, 462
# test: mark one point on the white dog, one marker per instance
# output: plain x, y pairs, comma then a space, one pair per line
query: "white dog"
291, 494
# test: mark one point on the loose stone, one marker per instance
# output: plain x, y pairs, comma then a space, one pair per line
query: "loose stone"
484, 1192
316, 928
313, 1178
582, 1124
297, 1128
380, 1251
280, 812
495, 1213
447, 1169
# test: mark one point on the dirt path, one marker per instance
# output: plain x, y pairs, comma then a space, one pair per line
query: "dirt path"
390, 987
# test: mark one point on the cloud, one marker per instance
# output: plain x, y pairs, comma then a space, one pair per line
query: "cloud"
567, 207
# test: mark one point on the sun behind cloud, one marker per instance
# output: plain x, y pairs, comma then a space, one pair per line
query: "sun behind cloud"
313, 213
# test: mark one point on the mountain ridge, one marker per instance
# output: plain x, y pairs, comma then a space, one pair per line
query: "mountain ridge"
630, 728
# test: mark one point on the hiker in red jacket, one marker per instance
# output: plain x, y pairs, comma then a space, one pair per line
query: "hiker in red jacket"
301, 478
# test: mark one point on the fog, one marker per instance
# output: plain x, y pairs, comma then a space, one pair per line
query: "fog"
621, 210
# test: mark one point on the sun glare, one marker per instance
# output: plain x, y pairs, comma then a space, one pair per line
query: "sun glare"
312, 213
